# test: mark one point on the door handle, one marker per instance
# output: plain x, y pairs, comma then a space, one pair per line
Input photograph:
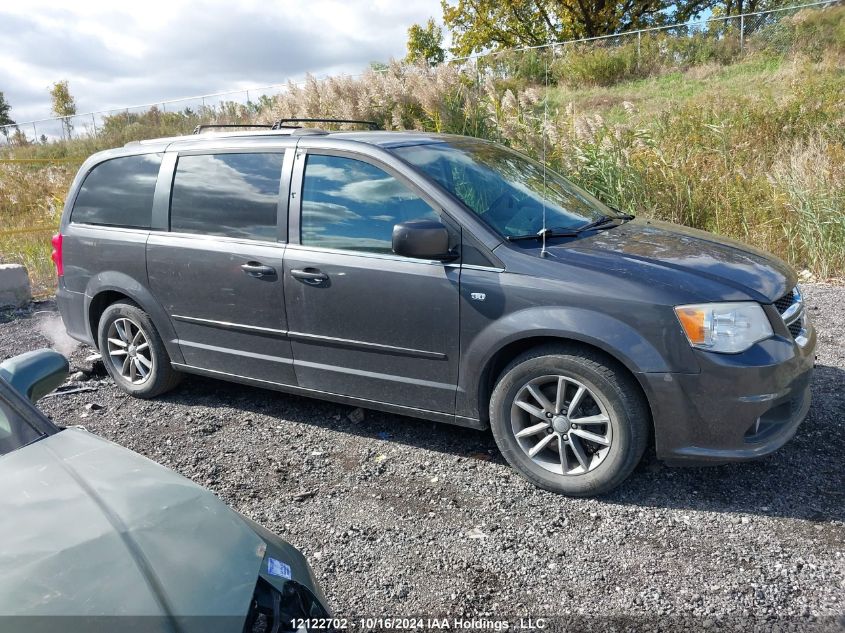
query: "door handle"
311, 276
259, 270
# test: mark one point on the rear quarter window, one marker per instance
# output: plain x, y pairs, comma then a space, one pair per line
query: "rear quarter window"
119, 192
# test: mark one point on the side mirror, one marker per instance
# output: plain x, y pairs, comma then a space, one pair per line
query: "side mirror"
422, 239
35, 374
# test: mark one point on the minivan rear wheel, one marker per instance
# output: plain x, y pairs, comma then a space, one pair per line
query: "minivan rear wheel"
568, 420
133, 352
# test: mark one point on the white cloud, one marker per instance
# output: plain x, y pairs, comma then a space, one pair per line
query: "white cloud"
382, 190
123, 54
325, 172
314, 213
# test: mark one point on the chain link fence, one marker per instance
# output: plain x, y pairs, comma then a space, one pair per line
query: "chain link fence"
634, 54
598, 60
176, 116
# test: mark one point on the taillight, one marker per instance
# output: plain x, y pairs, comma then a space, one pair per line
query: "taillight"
57, 254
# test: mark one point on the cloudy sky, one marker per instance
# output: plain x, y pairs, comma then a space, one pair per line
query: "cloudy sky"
118, 54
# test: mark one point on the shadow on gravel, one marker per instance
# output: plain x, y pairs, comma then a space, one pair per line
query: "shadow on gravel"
803, 480
423, 434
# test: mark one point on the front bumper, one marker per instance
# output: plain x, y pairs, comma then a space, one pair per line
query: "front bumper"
282, 551
740, 406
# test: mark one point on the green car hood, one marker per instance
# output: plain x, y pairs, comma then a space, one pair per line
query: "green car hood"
91, 529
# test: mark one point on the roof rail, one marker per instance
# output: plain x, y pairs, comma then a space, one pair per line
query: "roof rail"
283, 123
198, 129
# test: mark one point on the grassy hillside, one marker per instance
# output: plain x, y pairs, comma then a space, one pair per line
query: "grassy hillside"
749, 143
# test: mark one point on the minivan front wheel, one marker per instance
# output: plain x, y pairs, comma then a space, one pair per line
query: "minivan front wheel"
133, 352
568, 420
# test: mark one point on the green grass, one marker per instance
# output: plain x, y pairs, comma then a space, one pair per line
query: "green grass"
656, 94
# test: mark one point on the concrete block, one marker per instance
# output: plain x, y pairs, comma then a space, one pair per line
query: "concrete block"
14, 286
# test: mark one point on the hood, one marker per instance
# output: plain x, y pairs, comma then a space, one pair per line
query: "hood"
680, 256
93, 529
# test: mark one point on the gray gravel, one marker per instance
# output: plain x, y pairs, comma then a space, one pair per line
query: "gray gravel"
404, 517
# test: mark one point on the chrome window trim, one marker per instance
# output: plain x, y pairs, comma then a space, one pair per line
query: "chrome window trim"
205, 237
492, 269
111, 227
391, 257
368, 254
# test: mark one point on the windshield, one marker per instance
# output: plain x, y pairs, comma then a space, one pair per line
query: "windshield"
506, 189
15, 432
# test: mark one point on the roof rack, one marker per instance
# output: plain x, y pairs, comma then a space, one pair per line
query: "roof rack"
284, 123
198, 129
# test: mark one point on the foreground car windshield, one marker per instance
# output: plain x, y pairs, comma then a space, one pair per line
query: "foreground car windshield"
506, 189
15, 432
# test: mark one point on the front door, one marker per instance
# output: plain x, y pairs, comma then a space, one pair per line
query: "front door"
363, 321
218, 272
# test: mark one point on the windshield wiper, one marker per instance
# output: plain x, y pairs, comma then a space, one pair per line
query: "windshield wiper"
555, 232
602, 220
539, 235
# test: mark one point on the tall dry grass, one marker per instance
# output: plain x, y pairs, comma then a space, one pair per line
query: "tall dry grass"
808, 179
31, 200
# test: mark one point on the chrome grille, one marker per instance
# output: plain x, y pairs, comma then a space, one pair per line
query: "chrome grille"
791, 309
785, 301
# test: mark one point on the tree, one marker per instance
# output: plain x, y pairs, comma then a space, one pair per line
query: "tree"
736, 7
19, 138
425, 44
64, 105
5, 119
478, 25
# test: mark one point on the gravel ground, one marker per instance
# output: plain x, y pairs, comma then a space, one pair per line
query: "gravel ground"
403, 517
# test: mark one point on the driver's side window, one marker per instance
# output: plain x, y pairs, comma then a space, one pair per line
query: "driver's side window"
478, 192
352, 205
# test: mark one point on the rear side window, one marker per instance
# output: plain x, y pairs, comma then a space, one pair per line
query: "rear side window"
233, 195
352, 205
119, 192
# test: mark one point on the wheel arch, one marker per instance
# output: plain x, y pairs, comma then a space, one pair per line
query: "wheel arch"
98, 305
491, 351
503, 357
107, 288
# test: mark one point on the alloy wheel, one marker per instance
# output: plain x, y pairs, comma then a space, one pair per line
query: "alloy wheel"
562, 425
129, 351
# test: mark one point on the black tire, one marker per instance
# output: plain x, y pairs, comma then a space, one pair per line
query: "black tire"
607, 385
161, 376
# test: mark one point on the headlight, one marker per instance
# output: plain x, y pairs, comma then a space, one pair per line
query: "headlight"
724, 327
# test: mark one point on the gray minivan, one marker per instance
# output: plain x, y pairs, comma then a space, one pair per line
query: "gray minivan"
436, 276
